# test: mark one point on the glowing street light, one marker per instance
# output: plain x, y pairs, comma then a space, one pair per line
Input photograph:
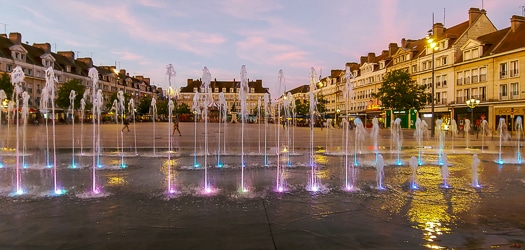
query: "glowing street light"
433, 46
472, 103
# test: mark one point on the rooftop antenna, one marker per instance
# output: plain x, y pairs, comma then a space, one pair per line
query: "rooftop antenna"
481, 4
522, 10
77, 54
55, 45
444, 16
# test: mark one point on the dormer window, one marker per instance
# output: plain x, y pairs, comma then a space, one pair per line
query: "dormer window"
68, 68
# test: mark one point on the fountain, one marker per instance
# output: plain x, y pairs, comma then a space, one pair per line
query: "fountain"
503, 136
466, 130
222, 119
266, 99
96, 110
72, 96
153, 112
418, 134
380, 174
131, 110
519, 131
444, 171
280, 182
50, 86
414, 163
243, 94
196, 109
374, 133
313, 184
484, 132
3, 96
441, 139
205, 87
475, 165
360, 135
454, 132
17, 78
398, 139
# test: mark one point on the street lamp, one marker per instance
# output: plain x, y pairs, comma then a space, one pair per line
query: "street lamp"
472, 103
336, 114
433, 46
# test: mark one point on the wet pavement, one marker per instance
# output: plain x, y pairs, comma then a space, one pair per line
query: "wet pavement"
135, 211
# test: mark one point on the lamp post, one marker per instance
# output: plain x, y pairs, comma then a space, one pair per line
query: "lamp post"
432, 45
337, 111
472, 103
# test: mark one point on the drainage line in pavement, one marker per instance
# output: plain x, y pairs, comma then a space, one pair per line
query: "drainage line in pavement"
269, 225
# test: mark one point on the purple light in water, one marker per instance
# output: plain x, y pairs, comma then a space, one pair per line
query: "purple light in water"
315, 188
349, 188
280, 189
20, 192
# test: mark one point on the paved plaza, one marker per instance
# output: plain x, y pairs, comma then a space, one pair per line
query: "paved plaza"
135, 211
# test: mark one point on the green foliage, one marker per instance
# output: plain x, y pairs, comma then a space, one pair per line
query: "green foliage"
144, 104
301, 108
399, 92
64, 91
321, 104
182, 108
5, 84
113, 97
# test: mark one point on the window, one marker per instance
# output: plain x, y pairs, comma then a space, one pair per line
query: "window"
483, 74
438, 97
438, 81
459, 78
475, 53
195, 90
475, 77
503, 92
466, 93
467, 77
503, 68
475, 93
9, 68
216, 90
444, 60
459, 96
223, 90
231, 90
444, 80
466, 55
444, 97
514, 68
482, 93
514, 88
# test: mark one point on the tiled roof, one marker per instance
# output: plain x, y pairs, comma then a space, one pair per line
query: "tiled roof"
491, 40
300, 89
257, 85
513, 40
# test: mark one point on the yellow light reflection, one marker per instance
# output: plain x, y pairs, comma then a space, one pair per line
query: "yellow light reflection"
117, 181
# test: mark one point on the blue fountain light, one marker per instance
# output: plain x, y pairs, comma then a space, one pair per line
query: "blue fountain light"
20, 192
196, 165
25, 166
414, 186
60, 191
99, 166
399, 162
220, 165
123, 166
1, 165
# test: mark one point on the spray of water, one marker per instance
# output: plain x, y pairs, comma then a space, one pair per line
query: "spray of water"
475, 165
243, 95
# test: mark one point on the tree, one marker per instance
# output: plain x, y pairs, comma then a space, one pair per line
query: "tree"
301, 108
5, 84
144, 104
64, 91
321, 104
182, 108
113, 97
399, 92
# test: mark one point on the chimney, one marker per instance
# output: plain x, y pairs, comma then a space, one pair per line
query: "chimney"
437, 29
147, 80
122, 72
68, 54
140, 78
46, 47
15, 37
515, 22
473, 15
86, 60
392, 48
3, 35
363, 59
371, 57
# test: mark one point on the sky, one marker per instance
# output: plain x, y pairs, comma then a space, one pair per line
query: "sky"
144, 36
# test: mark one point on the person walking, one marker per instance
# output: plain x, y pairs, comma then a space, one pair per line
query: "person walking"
176, 126
126, 125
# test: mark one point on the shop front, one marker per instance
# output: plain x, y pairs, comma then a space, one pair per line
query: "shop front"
477, 114
509, 115
408, 117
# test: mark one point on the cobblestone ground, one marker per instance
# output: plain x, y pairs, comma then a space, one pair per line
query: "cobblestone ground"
134, 210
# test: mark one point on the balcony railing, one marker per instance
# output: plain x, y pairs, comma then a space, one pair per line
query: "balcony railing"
483, 77
503, 97
459, 81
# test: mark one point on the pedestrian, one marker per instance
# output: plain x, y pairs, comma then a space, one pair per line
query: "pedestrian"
126, 125
176, 126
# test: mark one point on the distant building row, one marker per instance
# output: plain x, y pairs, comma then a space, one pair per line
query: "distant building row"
471, 60
35, 59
